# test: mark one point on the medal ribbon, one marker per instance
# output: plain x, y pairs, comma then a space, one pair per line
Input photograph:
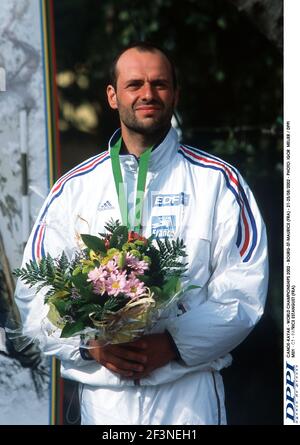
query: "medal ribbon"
120, 188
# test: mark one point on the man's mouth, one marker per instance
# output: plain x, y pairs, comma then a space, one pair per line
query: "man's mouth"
148, 108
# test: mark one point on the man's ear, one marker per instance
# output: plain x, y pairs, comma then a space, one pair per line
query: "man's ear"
112, 97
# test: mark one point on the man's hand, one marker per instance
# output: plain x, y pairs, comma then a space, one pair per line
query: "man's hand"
136, 359
120, 358
159, 351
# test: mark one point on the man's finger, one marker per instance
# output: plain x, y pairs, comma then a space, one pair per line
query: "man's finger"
126, 353
122, 372
127, 365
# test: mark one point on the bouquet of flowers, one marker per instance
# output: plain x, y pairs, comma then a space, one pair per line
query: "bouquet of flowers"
114, 289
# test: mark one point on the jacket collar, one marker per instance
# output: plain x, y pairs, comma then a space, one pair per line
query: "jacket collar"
161, 155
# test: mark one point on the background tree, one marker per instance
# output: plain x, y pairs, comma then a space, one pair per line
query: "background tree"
266, 15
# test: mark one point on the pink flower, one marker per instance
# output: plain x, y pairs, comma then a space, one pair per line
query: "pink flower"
99, 273
135, 287
99, 287
111, 266
116, 283
98, 277
136, 265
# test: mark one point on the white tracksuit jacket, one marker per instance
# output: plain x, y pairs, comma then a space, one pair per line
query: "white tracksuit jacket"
191, 195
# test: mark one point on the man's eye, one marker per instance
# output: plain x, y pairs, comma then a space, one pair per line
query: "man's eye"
160, 85
134, 85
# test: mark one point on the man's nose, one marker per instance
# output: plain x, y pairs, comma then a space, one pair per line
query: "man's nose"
147, 92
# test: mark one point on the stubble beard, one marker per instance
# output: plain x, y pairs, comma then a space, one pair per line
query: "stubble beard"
152, 127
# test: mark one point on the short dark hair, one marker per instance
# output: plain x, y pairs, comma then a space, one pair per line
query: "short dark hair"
142, 47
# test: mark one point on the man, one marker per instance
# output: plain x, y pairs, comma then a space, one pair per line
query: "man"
170, 376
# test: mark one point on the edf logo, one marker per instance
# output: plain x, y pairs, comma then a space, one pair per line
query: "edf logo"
170, 200
290, 409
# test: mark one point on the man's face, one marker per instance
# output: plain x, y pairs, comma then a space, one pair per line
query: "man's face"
144, 95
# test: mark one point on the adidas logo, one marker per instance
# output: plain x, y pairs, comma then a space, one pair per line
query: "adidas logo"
105, 206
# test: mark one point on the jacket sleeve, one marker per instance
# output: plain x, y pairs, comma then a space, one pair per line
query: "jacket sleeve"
52, 233
237, 287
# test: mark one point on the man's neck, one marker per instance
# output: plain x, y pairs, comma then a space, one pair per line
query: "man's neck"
136, 144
